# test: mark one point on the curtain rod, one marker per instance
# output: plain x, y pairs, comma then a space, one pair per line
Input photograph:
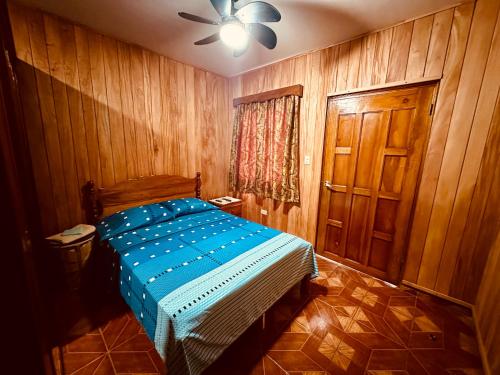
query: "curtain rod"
296, 90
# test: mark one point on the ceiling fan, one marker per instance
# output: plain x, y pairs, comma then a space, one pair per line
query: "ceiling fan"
236, 24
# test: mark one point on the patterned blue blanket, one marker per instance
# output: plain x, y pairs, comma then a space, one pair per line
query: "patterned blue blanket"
197, 281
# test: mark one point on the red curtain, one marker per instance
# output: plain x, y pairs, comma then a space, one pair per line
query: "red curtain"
265, 149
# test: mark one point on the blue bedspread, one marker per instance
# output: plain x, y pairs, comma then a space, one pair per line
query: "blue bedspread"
198, 281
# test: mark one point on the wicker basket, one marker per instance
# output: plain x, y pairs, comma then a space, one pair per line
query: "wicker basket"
73, 258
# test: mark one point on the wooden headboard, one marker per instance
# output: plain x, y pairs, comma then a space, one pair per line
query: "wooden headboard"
104, 201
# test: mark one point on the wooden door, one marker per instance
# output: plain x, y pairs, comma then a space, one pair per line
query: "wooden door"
373, 150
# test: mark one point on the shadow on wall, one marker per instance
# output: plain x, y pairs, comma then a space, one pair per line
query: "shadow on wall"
119, 127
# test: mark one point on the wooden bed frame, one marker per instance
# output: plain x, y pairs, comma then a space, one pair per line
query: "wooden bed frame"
104, 201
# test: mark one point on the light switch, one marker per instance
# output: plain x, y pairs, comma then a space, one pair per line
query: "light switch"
263, 212
307, 160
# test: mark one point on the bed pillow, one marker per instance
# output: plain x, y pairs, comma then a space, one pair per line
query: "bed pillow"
187, 206
133, 218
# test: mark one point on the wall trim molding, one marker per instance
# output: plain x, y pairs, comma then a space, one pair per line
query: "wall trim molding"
438, 294
296, 90
387, 85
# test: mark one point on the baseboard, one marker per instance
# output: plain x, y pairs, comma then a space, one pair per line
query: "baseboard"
438, 294
482, 349
354, 269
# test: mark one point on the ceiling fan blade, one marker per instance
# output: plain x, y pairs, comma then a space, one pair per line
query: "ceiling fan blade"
207, 40
258, 11
192, 17
223, 7
264, 35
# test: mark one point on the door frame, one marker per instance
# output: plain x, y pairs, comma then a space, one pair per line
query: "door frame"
24, 231
373, 90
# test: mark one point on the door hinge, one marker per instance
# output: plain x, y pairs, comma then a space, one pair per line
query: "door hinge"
9, 66
431, 109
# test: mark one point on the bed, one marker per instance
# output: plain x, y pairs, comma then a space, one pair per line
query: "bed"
194, 276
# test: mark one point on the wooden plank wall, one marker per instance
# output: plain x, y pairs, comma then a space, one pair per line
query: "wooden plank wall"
487, 310
97, 108
461, 45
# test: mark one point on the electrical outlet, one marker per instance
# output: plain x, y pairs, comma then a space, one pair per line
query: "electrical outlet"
263, 212
307, 160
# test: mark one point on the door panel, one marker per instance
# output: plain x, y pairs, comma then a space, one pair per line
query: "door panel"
373, 150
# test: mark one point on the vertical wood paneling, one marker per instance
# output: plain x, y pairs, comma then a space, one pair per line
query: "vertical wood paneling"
485, 225
400, 48
115, 112
482, 215
381, 57
419, 46
32, 116
127, 110
343, 66
471, 79
72, 81
49, 120
471, 164
434, 45
330, 66
104, 110
165, 113
354, 61
180, 73
487, 309
174, 159
366, 65
438, 43
88, 104
437, 141
101, 108
191, 128
156, 110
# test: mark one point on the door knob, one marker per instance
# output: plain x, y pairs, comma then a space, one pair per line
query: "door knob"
328, 185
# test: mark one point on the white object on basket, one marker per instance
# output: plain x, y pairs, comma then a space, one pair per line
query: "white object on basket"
72, 235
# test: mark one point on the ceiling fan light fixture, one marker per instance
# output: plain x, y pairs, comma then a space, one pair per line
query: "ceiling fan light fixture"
234, 35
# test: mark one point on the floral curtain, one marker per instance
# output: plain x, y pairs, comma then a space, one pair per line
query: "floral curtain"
265, 149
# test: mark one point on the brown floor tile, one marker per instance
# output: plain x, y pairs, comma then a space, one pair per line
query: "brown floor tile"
426, 340
290, 341
105, 367
133, 362
138, 343
76, 361
91, 367
87, 343
112, 330
293, 360
394, 360
440, 360
158, 362
403, 301
271, 367
337, 353
352, 324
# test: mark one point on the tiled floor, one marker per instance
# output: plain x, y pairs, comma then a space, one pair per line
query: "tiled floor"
352, 324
